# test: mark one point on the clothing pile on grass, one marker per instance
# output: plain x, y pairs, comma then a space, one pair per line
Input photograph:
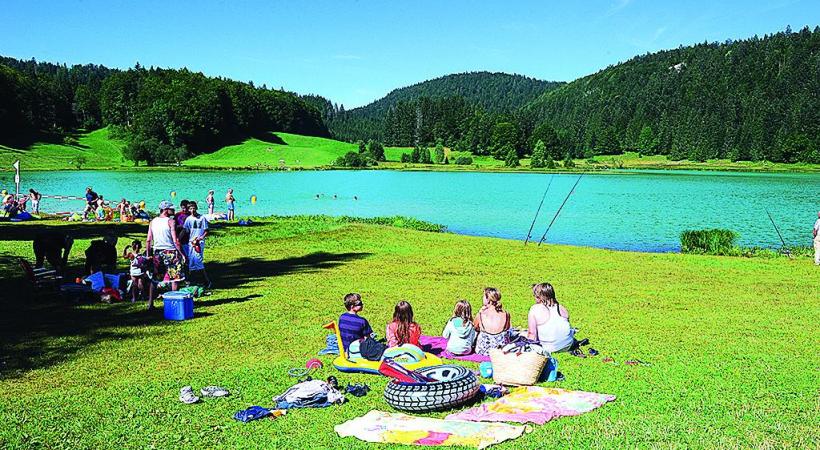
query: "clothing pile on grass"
521, 405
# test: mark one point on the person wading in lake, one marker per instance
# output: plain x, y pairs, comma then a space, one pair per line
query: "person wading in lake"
816, 234
209, 200
231, 201
163, 245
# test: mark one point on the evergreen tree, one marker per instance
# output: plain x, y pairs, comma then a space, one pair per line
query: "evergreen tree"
511, 160
405, 158
539, 155
646, 141
376, 150
568, 162
426, 158
439, 152
549, 163
415, 156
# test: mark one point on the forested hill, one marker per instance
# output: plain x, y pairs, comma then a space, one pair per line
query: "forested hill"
491, 92
165, 114
755, 99
496, 92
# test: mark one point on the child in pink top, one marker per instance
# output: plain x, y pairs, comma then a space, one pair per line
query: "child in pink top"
402, 330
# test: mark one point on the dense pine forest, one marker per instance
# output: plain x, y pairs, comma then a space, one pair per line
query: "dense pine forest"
439, 109
166, 115
754, 99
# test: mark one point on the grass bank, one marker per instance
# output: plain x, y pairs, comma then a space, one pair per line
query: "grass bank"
730, 340
294, 151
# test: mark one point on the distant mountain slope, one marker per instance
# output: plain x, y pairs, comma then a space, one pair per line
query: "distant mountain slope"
493, 92
749, 99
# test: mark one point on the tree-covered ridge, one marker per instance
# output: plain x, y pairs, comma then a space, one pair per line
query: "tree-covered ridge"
495, 92
753, 99
447, 96
167, 114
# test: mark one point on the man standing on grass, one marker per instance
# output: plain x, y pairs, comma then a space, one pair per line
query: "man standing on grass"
816, 233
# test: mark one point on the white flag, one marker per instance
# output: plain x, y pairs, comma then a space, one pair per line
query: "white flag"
17, 175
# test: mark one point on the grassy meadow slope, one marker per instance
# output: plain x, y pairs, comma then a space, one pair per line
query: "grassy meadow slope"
730, 340
98, 148
294, 149
101, 151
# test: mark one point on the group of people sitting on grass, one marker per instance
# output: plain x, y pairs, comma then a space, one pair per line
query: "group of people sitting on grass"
99, 209
547, 324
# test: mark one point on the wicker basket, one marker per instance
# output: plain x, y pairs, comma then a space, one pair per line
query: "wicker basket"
517, 369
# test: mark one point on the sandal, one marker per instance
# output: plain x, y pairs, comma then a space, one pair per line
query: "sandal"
593, 352
578, 352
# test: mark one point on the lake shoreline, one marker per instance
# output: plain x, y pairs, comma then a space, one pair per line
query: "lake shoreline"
658, 169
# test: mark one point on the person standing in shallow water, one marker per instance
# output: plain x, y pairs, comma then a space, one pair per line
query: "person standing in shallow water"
209, 200
816, 234
231, 201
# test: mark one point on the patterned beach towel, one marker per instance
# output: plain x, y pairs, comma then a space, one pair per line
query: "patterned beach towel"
534, 404
397, 428
437, 345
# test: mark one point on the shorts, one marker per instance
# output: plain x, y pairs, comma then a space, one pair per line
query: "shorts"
167, 266
196, 260
230, 206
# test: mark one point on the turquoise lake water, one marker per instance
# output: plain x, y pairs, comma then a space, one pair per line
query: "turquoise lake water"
629, 210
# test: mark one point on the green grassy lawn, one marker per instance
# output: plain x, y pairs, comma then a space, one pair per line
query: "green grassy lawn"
97, 147
294, 149
631, 160
297, 151
732, 341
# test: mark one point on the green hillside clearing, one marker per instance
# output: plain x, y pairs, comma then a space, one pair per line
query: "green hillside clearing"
97, 147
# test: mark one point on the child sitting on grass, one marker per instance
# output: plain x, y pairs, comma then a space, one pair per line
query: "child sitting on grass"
352, 326
402, 330
459, 331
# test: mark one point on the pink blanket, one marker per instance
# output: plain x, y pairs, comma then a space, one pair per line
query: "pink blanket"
534, 404
437, 345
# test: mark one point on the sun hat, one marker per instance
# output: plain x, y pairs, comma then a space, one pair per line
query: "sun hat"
165, 204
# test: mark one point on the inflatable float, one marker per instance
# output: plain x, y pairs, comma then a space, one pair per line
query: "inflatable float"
408, 356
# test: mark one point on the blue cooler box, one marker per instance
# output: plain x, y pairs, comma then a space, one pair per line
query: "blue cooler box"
178, 305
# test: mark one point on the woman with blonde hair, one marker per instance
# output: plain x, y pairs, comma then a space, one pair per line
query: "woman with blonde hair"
492, 323
459, 331
403, 330
548, 321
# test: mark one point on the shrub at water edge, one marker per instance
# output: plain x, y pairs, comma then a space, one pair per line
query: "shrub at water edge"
716, 241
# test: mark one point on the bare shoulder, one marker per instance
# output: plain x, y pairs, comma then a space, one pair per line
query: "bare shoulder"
563, 311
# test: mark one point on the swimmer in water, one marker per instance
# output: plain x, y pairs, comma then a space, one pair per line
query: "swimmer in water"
355, 197
317, 196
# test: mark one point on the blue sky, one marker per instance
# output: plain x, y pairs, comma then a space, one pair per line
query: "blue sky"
354, 52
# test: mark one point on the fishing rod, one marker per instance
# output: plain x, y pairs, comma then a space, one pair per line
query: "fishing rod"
560, 208
537, 211
784, 248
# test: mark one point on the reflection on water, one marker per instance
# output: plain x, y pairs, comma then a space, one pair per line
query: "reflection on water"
643, 211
